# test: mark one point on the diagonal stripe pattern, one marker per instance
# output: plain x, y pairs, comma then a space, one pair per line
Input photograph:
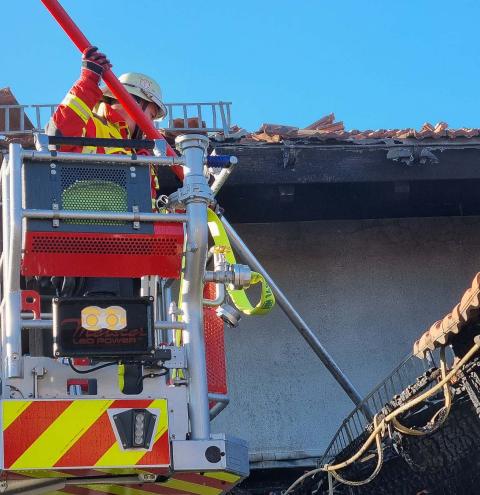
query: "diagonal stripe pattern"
190, 483
76, 419
75, 434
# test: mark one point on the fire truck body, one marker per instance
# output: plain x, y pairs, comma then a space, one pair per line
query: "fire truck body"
109, 390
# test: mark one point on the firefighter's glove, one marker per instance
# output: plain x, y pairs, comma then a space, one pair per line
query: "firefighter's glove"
95, 62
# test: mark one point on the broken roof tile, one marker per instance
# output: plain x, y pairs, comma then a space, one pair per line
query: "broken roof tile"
327, 128
321, 123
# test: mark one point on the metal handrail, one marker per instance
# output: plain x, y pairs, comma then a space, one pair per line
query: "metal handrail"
355, 424
215, 115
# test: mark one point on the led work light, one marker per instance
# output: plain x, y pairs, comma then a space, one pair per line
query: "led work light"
111, 318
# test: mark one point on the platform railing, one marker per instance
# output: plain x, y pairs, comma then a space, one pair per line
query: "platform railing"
208, 116
355, 424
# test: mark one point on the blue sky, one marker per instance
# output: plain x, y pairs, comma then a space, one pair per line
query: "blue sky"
375, 64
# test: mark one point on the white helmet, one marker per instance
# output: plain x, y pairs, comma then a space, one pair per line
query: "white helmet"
144, 87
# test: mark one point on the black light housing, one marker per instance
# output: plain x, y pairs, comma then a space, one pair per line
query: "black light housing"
134, 339
135, 428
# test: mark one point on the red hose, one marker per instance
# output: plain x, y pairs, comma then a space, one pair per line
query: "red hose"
116, 87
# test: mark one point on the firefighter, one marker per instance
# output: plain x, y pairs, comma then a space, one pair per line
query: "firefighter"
89, 111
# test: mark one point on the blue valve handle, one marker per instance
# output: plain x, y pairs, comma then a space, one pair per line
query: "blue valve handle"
221, 161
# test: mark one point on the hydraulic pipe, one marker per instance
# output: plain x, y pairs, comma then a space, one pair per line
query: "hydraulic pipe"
116, 87
297, 320
193, 148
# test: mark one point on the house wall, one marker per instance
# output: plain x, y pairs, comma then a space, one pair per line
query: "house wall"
368, 288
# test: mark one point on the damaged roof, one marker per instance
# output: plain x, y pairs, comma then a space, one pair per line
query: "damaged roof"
327, 129
441, 332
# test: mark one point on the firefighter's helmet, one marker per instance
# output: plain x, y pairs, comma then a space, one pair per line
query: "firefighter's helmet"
144, 87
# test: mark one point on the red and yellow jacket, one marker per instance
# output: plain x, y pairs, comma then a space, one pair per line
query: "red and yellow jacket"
76, 116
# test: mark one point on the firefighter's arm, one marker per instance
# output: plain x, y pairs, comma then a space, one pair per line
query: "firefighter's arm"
73, 114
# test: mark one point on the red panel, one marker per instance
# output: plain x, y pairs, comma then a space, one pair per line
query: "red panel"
214, 346
105, 255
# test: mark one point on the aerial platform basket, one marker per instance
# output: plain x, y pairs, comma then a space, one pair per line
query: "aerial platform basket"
96, 245
80, 215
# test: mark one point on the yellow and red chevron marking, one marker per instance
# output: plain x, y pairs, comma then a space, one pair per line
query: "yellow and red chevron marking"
66, 434
211, 483
214, 483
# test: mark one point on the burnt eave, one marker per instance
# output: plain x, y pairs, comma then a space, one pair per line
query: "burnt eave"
301, 163
293, 181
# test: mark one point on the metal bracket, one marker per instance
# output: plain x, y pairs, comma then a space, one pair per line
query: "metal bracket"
220, 452
56, 216
178, 359
41, 141
31, 302
412, 155
147, 477
191, 193
136, 217
290, 153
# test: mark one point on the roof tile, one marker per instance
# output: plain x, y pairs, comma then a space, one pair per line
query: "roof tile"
326, 128
440, 333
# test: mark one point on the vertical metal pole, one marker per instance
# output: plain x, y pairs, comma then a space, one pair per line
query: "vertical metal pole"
296, 319
12, 330
195, 196
168, 336
7, 119
5, 220
37, 115
5, 249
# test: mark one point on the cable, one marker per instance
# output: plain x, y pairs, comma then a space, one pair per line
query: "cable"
380, 428
152, 375
309, 474
15, 389
377, 467
83, 372
443, 413
408, 406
